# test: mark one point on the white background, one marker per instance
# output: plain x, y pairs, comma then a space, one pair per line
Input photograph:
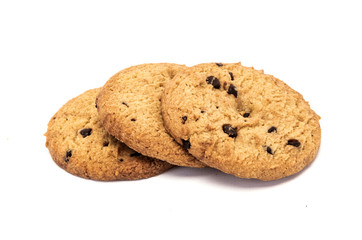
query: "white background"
51, 51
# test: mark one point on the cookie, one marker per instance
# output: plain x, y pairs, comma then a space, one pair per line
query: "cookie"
241, 121
80, 145
129, 107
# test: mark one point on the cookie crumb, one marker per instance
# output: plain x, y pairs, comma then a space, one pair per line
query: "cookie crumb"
224, 85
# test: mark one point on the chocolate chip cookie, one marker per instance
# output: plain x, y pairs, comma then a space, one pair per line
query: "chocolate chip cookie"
241, 121
129, 107
80, 145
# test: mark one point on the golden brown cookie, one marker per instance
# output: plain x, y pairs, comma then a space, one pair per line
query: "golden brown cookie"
80, 145
241, 121
129, 107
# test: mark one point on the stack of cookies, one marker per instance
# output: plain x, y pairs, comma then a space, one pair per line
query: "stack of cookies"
151, 117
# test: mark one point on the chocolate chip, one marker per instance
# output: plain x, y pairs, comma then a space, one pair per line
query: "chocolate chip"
293, 142
219, 64
105, 144
121, 160
213, 81
124, 103
135, 154
231, 76
229, 130
272, 129
246, 115
96, 105
184, 118
186, 144
133, 119
269, 150
202, 111
85, 132
68, 155
232, 90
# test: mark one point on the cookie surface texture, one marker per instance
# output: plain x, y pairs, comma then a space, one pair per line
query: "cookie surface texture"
241, 121
129, 107
80, 145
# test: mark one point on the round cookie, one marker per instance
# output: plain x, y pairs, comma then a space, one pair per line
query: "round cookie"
241, 121
80, 145
129, 107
